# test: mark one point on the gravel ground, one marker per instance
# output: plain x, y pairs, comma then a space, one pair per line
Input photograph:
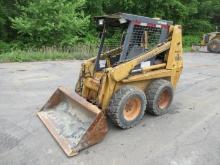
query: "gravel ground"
187, 135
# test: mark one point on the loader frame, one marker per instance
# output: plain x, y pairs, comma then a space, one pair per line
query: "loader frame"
99, 86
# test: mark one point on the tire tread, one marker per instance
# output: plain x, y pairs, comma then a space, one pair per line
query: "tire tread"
113, 111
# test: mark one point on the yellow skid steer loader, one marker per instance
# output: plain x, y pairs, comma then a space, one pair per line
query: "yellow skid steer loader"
209, 40
138, 65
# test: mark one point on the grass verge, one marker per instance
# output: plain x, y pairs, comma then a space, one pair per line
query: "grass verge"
79, 52
187, 49
28, 56
31, 56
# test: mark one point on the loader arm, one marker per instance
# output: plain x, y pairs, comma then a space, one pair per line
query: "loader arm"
122, 71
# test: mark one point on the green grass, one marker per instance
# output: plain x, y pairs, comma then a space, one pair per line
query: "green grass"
76, 53
189, 40
187, 49
24, 56
79, 52
31, 56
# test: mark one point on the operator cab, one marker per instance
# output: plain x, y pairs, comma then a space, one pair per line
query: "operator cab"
125, 36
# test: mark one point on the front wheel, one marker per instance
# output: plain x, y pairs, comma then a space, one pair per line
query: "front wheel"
127, 107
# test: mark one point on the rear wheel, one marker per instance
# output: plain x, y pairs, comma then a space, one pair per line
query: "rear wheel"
214, 46
159, 97
127, 107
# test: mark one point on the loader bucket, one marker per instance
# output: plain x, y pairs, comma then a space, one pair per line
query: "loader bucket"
74, 122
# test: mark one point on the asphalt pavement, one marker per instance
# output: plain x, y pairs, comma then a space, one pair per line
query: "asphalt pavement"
188, 135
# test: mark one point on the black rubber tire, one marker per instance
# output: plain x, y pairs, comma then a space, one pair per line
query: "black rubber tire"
211, 44
118, 102
153, 94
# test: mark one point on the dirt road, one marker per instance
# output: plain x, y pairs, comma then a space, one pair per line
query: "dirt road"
188, 135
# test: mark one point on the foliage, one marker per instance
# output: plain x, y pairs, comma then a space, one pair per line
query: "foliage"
202, 26
189, 40
7, 10
4, 47
52, 22
28, 24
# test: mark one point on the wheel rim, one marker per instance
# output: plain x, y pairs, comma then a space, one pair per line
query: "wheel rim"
164, 99
214, 46
132, 109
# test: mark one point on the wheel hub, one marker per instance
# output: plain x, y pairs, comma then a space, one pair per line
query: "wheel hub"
132, 109
164, 99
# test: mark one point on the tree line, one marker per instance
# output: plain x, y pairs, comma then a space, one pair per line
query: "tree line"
36, 23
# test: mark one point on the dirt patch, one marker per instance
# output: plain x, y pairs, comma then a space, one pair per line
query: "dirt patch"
70, 121
7, 142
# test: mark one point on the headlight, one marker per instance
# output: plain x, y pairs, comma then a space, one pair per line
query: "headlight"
101, 22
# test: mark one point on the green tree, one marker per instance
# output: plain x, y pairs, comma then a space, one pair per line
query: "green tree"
52, 22
66, 22
7, 10
94, 7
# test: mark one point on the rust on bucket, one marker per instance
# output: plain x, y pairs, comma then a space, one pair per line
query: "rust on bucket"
74, 122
